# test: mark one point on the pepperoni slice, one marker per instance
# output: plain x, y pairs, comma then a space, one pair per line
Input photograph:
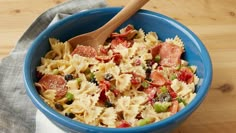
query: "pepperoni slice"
54, 82
170, 54
103, 50
128, 35
116, 41
129, 31
155, 50
120, 35
85, 51
174, 107
102, 58
116, 58
157, 78
121, 40
129, 27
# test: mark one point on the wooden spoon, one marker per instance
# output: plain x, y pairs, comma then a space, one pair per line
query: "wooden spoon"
99, 36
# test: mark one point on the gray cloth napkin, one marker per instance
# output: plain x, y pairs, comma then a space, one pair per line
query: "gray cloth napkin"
17, 113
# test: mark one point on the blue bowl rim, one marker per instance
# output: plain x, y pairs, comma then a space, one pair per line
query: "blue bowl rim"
55, 116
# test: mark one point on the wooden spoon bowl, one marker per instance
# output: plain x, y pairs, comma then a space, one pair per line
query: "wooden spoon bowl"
99, 36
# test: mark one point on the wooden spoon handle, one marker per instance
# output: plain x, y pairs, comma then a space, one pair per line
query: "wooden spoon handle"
132, 7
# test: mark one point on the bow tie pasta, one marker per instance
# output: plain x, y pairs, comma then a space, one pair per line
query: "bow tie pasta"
132, 80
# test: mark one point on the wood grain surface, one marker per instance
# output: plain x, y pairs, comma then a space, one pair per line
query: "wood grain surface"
214, 21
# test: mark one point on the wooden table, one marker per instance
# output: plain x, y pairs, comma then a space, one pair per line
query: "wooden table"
214, 21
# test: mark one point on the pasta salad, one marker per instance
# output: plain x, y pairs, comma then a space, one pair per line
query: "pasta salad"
133, 79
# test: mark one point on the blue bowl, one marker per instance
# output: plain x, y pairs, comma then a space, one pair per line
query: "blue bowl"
86, 21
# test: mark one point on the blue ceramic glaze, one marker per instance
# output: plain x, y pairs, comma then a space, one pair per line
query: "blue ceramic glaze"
86, 21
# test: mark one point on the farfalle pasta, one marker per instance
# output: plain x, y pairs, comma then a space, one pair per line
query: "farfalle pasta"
132, 80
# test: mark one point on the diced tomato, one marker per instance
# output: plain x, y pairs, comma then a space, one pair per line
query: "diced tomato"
117, 58
160, 68
104, 85
172, 93
103, 96
123, 124
157, 78
85, 51
116, 92
186, 75
136, 79
174, 107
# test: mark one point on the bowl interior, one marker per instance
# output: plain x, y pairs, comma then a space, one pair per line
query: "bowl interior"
195, 52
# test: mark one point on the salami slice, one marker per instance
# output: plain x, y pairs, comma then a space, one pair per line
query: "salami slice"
103, 58
156, 50
170, 54
54, 82
129, 32
157, 78
85, 51
116, 57
117, 41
